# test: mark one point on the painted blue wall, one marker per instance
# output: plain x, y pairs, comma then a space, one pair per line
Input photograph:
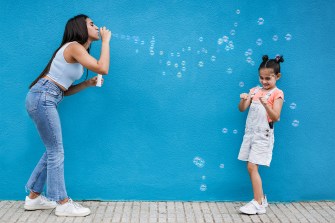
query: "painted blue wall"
156, 131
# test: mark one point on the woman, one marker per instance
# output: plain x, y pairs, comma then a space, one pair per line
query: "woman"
46, 92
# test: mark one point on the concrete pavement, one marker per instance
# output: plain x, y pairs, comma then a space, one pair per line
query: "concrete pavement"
183, 212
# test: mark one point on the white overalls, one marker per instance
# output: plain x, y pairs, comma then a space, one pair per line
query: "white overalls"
258, 139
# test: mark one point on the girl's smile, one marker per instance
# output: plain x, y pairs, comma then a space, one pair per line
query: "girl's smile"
268, 78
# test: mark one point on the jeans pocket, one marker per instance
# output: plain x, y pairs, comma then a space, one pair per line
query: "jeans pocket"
32, 100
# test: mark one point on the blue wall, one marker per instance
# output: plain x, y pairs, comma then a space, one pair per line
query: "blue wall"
156, 131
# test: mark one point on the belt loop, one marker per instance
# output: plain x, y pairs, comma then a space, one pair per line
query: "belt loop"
44, 81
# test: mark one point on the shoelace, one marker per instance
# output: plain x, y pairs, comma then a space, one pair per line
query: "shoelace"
44, 199
75, 204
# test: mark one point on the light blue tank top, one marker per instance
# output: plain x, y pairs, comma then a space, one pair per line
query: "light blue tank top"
62, 72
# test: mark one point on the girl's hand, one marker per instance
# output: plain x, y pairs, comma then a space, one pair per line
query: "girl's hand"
93, 81
105, 34
244, 96
264, 101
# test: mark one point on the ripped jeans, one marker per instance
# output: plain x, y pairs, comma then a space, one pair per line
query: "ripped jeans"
41, 104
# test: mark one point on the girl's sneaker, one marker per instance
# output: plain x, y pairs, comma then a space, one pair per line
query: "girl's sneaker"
39, 203
265, 202
71, 209
253, 208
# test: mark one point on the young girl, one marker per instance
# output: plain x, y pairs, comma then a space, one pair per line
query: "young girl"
265, 106
46, 92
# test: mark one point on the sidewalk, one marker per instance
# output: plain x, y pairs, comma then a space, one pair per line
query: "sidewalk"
12, 211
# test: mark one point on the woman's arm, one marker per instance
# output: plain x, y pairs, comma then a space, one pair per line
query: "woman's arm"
73, 89
79, 54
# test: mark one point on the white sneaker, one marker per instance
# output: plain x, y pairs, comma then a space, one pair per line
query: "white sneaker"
39, 203
253, 208
71, 209
265, 202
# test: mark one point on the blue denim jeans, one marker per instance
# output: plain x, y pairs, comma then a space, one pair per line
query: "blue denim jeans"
41, 104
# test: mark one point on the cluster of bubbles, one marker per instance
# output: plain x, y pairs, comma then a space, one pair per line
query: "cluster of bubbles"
229, 44
225, 131
200, 162
248, 59
152, 46
175, 62
293, 106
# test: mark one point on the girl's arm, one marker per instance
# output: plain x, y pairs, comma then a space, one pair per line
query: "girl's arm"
273, 113
73, 89
245, 102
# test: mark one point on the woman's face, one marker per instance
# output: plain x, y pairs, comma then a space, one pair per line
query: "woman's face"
93, 30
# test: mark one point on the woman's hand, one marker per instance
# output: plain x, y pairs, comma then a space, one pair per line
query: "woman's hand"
105, 34
93, 81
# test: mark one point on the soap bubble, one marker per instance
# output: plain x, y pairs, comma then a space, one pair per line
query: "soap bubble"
260, 21
259, 41
225, 38
220, 41
163, 73
224, 130
201, 39
203, 177
295, 123
233, 32
161, 52
293, 105
288, 37
275, 38
235, 24
199, 162
203, 187
168, 63
179, 75
221, 166
235, 131
241, 84
213, 58
183, 63
238, 11
229, 70
201, 64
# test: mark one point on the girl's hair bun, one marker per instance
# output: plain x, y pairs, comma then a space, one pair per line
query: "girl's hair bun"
279, 59
265, 58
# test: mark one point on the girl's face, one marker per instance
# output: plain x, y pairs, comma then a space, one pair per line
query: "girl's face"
268, 78
93, 30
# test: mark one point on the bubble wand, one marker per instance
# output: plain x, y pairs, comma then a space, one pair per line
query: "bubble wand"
99, 80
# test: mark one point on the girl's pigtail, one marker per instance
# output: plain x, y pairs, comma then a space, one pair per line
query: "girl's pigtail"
279, 59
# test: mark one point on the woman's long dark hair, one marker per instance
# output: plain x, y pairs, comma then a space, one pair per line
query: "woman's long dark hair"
75, 30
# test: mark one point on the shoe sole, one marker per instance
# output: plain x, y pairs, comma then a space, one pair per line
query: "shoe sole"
71, 215
259, 212
33, 208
